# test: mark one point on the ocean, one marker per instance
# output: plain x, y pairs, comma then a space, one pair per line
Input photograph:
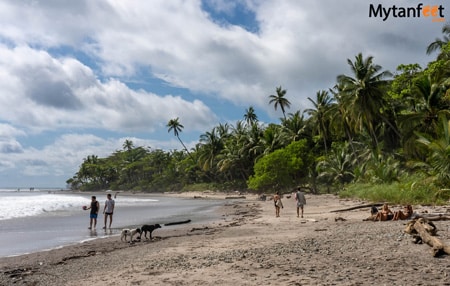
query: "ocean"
37, 220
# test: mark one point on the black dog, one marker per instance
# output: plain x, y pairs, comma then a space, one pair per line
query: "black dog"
148, 228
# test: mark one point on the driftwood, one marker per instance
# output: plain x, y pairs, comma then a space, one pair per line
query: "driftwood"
235, 198
425, 231
178, 222
433, 217
357, 207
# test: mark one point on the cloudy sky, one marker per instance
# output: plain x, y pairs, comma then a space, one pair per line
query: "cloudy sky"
80, 77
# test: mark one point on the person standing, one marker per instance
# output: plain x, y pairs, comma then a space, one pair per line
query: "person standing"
108, 210
94, 207
278, 204
301, 201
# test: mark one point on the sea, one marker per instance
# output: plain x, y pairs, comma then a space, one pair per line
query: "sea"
33, 220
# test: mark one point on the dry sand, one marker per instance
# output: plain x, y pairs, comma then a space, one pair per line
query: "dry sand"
249, 246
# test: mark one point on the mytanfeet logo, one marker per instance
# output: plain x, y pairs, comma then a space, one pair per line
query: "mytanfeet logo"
433, 12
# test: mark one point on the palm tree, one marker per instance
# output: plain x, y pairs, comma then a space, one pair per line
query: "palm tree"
175, 126
294, 126
439, 159
322, 106
363, 96
250, 116
438, 44
128, 145
280, 99
338, 166
209, 149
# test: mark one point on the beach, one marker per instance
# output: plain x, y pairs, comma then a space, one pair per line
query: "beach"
248, 245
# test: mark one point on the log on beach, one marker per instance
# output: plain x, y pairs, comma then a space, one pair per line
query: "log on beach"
424, 231
357, 207
178, 222
433, 217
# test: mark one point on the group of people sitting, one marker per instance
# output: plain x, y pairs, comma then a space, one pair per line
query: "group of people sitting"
386, 214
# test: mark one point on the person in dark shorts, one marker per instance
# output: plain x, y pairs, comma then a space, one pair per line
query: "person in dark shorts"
108, 210
301, 201
94, 207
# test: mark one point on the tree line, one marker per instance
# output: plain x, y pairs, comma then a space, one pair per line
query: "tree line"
372, 126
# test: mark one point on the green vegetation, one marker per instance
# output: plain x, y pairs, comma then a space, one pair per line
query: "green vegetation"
412, 190
374, 135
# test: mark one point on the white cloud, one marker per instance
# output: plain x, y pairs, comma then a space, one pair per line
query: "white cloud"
46, 93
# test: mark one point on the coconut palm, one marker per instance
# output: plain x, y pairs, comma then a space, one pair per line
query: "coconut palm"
438, 44
280, 100
363, 96
319, 114
209, 148
128, 145
337, 167
294, 126
439, 148
250, 116
175, 126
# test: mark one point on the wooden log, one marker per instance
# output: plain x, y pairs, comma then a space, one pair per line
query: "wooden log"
357, 207
178, 222
427, 231
433, 217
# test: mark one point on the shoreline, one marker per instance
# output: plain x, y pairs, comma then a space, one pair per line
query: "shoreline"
248, 246
69, 226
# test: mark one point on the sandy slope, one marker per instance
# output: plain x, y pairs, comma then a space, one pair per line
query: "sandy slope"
250, 246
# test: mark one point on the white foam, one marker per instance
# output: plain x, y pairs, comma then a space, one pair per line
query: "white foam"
15, 206
23, 204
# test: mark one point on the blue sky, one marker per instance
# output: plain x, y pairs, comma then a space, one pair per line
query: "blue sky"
80, 77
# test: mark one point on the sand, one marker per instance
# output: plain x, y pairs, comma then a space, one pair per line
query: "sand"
250, 246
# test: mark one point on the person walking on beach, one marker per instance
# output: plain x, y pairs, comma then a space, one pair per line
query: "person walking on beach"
301, 201
108, 210
278, 204
94, 207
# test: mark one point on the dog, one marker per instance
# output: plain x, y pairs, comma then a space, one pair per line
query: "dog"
148, 228
129, 232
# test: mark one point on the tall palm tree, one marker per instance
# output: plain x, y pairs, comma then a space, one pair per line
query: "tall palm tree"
363, 95
280, 100
424, 118
210, 147
175, 126
438, 44
250, 116
128, 145
322, 106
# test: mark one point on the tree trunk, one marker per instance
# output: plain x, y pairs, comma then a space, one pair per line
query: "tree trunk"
426, 231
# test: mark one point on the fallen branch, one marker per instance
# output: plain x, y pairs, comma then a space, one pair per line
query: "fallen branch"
178, 222
433, 217
235, 198
357, 207
425, 231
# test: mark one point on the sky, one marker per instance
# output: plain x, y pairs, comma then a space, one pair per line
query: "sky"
80, 77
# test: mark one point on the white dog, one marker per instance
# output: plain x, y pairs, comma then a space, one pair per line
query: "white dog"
129, 232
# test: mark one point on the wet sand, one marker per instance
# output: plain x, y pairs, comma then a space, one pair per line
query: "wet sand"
249, 246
